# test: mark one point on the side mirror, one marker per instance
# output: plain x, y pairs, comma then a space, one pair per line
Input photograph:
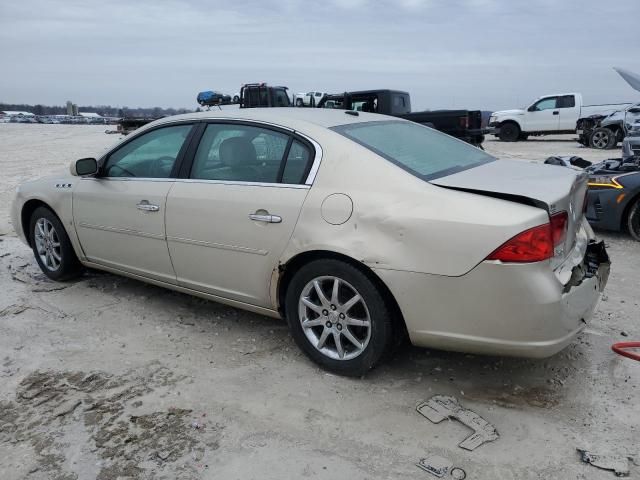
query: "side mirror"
84, 167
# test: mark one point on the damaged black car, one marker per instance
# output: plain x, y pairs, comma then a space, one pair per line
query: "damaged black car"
613, 198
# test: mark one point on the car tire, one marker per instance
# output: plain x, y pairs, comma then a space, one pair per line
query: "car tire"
509, 132
602, 138
340, 333
299, 102
52, 247
633, 220
523, 136
236, 99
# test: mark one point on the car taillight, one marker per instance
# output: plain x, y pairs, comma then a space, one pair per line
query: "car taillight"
559, 224
533, 245
536, 244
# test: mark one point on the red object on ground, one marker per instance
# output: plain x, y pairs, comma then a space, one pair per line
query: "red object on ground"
621, 349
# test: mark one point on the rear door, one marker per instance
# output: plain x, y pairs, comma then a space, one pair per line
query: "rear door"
543, 116
230, 220
569, 113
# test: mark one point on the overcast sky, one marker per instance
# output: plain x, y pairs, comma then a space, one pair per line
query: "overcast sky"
487, 54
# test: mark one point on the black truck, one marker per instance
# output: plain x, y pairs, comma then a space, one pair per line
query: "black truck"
463, 124
257, 95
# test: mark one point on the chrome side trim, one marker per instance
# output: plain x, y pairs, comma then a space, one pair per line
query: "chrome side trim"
221, 246
125, 231
128, 179
233, 182
315, 166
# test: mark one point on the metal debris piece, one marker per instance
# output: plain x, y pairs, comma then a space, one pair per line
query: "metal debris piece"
617, 464
441, 407
435, 465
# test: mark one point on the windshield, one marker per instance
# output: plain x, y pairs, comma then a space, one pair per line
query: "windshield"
422, 151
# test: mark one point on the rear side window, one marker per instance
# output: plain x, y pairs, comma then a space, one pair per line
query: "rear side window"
422, 151
566, 101
298, 163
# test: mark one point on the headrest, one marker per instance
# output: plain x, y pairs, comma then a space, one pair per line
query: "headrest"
237, 152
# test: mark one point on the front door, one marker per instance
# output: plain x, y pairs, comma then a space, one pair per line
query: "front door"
119, 215
228, 224
543, 116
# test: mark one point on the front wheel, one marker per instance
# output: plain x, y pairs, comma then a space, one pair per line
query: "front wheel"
633, 220
603, 138
509, 132
52, 247
338, 317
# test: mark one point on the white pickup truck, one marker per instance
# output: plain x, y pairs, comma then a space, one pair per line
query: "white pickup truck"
547, 115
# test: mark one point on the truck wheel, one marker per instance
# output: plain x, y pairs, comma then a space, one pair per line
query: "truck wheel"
633, 220
602, 138
509, 132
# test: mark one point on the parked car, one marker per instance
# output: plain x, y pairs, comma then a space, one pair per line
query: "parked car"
210, 98
605, 131
547, 115
309, 99
355, 227
463, 124
613, 200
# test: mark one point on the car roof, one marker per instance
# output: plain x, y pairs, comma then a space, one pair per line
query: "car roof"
284, 116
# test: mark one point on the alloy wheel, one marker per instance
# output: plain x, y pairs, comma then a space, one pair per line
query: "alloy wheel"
334, 318
48, 244
600, 140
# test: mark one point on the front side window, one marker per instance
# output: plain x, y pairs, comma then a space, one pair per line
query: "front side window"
545, 104
239, 153
281, 99
422, 151
151, 155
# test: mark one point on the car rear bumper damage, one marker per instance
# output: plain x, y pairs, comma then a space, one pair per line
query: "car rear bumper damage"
501, 309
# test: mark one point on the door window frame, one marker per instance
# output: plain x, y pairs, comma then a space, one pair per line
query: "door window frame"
310, 171
177, 166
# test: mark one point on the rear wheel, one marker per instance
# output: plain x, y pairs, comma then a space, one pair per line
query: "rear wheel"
338, 317
299, 102
633, 220
509, 132
603, 138
52, 247
236, 99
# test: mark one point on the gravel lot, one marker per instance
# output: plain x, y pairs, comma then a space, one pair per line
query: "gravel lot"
111, 378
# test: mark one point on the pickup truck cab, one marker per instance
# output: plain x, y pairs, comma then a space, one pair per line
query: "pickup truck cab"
547, 115
463, 124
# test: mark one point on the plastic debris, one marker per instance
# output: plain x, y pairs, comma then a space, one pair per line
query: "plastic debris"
441, 407
435, 465
458, 473
617, 464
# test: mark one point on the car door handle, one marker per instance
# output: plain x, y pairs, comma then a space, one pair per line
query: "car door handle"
145, 206
265, 218
556, 112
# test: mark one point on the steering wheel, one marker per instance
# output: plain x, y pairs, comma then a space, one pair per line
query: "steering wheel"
115, 165
161, 167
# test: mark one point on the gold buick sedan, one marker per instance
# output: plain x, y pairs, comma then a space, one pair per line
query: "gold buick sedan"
356, 228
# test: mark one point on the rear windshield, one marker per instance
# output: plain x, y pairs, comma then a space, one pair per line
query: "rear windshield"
422, 151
